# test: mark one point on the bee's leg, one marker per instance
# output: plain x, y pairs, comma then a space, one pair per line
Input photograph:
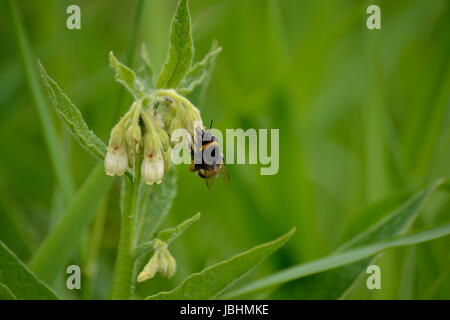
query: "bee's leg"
192, 168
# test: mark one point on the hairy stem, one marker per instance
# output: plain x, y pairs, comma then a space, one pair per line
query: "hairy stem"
123, 284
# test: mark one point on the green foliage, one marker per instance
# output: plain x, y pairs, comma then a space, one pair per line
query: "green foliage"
166, 235
72, 117
59, 162
181, 50
212, 281
146, 71
59, 244
126, 77
6, 294
343, 259
350, 138
333, 284
17, 281
200, 71
155, 206
169, 235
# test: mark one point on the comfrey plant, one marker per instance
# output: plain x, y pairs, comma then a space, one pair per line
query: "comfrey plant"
139, 151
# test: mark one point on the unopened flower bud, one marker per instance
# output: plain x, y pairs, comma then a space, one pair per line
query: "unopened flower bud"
161, 261
116, 159
167, 156
133, 138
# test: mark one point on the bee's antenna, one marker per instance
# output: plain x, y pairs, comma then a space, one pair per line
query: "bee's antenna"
210, 125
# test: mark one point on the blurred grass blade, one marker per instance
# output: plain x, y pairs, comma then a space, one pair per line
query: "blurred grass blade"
56, 249
156, 202
5, 293
72, 117
93, 246
169, 235
57, 158
181, 50
333, 284
126, 77
341, 259
16, 277
16, 229
213, 280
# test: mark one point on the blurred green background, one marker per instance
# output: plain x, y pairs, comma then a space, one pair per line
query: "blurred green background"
363, 116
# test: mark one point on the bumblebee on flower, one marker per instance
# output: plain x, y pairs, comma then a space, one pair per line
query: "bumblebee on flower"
141, 137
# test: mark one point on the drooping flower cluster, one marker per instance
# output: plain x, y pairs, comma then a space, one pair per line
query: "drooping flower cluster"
142, 135
161, 261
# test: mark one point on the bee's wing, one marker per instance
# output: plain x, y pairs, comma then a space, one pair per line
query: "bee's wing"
224, 174
210, 182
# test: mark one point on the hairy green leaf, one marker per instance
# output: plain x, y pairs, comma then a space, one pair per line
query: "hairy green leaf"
213, 280
126, 77
341, 259
196, 83
56, 249
169, 235
146, 69
5, 293
18, 280
156, 203
72, 117
199, 71
181, 50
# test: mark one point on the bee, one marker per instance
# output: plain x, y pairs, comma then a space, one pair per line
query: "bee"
207, 160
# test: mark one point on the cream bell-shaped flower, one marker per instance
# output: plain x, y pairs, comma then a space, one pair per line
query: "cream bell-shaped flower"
116, 160
152, 168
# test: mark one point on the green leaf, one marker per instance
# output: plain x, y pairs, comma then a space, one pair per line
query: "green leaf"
196, 83
193, 84
72, 117
340, 259
199, 71
181, 50
156, 202
16, 229
146, 69
213, 280
170, 234
333, 284
18, 281
5, 293
59, 244
126, 77
167, 235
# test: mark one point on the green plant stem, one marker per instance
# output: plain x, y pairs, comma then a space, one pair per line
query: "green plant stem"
123, 279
